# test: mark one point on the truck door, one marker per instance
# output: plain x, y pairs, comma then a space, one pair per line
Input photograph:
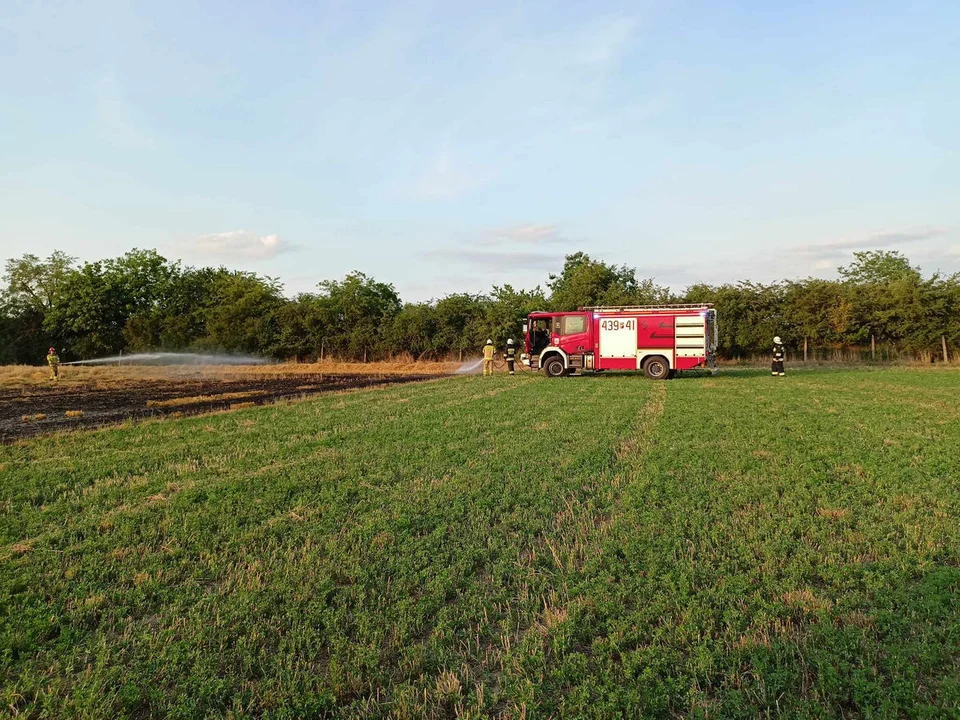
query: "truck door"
575, 334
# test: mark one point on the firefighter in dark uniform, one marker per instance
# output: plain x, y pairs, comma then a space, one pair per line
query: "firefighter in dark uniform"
779, 354
511, 355
540, 336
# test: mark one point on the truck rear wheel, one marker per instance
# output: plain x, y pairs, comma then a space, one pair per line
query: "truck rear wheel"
656, 368
554, 367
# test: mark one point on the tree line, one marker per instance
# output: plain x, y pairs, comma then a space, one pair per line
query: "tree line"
141, 302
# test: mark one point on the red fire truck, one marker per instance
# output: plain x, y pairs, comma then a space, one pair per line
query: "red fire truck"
657, 339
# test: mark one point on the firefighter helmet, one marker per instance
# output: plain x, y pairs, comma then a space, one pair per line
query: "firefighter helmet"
776, 339
510, 341
489, 342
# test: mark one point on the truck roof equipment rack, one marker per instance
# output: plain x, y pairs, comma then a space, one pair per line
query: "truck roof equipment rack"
648, 308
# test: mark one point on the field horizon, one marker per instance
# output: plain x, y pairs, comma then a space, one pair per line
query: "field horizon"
515, 547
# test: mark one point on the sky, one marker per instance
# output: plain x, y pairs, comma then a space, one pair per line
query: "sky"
452, 146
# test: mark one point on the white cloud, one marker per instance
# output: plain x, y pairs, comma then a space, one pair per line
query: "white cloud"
498, 260
235, 244
527, 234
868, 242
525, 247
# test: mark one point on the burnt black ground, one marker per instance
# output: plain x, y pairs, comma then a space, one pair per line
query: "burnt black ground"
106, 405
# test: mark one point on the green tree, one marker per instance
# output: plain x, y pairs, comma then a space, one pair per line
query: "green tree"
95, 303
242, 316
414, 329
878, 266
818, 310
749, 315
301, 328
141, 301
460, 324
883, 289
359, 312
31, 289
506, 310
586, 282
35, 284
182, 315
22, 336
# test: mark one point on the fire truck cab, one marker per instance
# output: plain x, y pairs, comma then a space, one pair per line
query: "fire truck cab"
658, 340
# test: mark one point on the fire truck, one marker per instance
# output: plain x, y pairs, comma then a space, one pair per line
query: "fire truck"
658, 340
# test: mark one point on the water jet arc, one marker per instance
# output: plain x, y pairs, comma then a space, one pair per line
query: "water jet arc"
168, 358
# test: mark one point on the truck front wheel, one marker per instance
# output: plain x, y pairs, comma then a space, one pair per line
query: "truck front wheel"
554, 367
656, 368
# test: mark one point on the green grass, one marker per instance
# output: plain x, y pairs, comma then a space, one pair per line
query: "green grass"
736, 546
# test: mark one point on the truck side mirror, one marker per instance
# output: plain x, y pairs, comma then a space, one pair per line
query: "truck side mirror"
525, 328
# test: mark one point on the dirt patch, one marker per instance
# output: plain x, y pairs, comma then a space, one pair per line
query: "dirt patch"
29, 411
15, 377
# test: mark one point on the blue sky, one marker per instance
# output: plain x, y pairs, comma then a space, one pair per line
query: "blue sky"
450, 146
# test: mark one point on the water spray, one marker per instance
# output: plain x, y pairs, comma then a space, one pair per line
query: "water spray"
469, 367
165, 358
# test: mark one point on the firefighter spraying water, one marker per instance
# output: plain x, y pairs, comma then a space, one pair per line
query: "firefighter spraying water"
488, 352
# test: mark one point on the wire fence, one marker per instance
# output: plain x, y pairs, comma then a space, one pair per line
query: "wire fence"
879, 355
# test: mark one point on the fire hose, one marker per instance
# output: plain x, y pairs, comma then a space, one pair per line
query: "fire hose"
502, 364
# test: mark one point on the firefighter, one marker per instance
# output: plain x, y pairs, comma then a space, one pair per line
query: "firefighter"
53, 360
488, 351
511, 355
779, 353
541, 336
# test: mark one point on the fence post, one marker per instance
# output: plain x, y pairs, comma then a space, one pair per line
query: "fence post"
804, 349
943, 341
321, 351
873, 347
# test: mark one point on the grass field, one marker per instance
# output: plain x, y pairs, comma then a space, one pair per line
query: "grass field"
735, 546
